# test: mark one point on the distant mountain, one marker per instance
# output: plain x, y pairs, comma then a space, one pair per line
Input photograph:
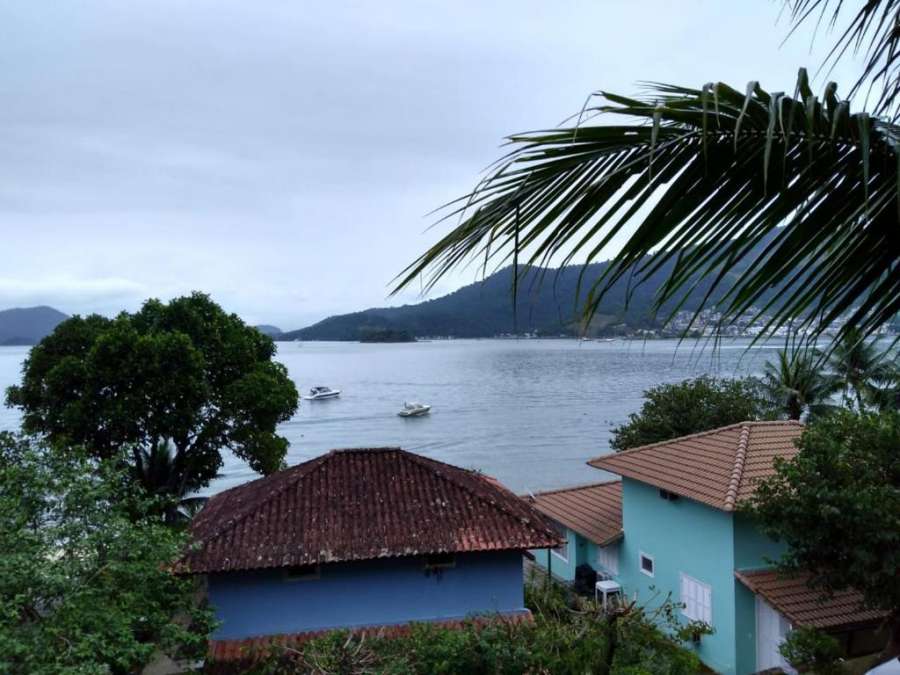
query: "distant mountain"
28, 325
547, 304
271, 331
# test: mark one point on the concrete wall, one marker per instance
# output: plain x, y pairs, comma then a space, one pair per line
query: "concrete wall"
395, 590
681, 536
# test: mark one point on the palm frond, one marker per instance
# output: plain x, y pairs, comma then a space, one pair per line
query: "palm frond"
702, 178
874, 32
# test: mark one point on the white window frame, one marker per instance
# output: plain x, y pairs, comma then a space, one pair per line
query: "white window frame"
608, 558
696, 608
564, 555
641, 556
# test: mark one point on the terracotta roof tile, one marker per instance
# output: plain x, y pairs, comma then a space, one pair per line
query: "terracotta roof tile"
720, 467
593, 511
803, 606
358, 505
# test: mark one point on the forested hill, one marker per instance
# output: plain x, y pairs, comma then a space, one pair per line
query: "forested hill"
484, 309
28, 325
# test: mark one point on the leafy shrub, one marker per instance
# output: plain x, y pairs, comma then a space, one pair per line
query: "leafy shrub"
811, 651
569, 635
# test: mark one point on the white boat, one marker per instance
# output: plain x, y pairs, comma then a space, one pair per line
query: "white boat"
318, 393
414, 409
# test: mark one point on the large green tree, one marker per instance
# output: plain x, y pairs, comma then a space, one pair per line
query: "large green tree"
174, 384
837, 506
84, 556
689, 407
704, 176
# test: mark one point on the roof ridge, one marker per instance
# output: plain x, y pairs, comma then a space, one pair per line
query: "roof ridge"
737, 472
657, 444
317, 462
419, 459
574, 488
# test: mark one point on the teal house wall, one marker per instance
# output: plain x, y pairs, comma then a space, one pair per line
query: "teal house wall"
581, 551
577, 553
685, 536
681, 536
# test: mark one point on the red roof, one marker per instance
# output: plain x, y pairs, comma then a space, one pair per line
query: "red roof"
358, 505
803, 606
593, 511
720, 467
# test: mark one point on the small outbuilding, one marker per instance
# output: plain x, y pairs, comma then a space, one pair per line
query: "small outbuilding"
589, 519
360, 538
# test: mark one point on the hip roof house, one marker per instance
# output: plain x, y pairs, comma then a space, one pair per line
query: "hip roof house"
683, 534
361, 538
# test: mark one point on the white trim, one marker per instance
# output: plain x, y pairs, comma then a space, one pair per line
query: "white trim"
704, 602
556, 553
641, 556
608, 558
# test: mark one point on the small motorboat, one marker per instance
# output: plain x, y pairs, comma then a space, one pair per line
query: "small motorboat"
414, 409
319, 393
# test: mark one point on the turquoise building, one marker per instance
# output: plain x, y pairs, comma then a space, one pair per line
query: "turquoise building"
681, 535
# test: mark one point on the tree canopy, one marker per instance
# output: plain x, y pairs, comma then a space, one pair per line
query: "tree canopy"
174, 383
84, 580
837, 506
689, 407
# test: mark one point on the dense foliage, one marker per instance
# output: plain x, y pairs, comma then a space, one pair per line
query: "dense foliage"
689, 407
84, 586
568, 636
812, 651
837, 506
174, 383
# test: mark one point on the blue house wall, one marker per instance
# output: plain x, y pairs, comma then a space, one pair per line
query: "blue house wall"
387, 591
681, 536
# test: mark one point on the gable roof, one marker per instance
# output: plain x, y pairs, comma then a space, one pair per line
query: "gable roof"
803, 606
360, 504
593, 511
719, 467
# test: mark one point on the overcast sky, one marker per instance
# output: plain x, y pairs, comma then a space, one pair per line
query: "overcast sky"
282, 155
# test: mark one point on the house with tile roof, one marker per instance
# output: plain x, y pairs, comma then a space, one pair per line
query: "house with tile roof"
357, 539
684, 536
589, 518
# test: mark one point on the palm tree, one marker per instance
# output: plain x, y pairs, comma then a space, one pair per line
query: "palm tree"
865, 374
704, 177
796, 384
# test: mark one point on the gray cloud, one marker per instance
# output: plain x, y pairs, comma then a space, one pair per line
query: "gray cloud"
282, 155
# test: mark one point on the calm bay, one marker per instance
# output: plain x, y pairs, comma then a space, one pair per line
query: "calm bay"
529, 412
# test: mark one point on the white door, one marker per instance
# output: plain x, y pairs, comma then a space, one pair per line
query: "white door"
771, 630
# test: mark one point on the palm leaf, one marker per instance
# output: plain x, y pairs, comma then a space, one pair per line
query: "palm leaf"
703, 187
872, 32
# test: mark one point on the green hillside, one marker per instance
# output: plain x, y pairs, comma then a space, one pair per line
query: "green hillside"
485, 309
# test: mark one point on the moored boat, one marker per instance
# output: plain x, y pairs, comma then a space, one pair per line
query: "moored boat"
414, 409
319, 393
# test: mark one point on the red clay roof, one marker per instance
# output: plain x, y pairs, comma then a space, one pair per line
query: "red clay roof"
222, 655
357, 505
593, 511
719, 467
803, 606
